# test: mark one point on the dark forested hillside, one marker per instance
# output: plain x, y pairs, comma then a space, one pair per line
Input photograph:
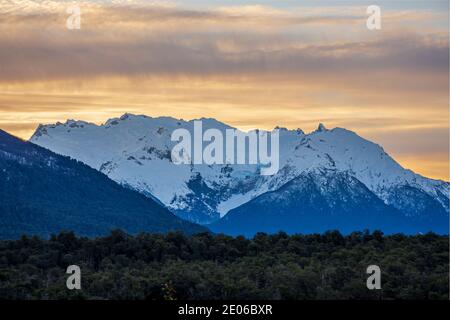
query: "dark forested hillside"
43, 193
206, 266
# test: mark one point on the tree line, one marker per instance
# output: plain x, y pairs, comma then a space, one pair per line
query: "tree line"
215, 266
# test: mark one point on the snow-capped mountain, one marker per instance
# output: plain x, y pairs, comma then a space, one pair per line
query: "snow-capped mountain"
134, 150
315, 202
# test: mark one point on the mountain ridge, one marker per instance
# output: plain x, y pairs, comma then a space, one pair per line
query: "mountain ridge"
320, 201
135, 151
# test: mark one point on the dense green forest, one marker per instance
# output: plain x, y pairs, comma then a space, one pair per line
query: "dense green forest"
207, 266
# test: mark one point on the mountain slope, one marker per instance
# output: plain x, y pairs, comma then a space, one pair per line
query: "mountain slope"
317, 201
135, 151
43, 193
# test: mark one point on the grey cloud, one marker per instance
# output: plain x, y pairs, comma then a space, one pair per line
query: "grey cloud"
403, 62
42, 57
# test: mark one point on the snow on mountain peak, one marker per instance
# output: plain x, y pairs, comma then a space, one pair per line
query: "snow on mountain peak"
135, 150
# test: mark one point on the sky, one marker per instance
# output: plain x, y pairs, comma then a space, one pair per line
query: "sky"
251, 64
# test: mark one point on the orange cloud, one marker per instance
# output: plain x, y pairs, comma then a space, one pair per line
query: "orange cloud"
250, 66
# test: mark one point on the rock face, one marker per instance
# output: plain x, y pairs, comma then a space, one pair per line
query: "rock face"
135, 151
42, 193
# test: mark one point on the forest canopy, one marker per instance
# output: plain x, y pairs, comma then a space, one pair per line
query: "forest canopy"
207, 266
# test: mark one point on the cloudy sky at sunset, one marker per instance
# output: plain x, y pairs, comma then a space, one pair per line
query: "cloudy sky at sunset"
251, 64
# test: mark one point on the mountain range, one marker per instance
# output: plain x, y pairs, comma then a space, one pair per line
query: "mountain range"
42, 193
328, 179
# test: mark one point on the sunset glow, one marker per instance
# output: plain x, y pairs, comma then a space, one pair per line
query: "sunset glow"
252, 66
